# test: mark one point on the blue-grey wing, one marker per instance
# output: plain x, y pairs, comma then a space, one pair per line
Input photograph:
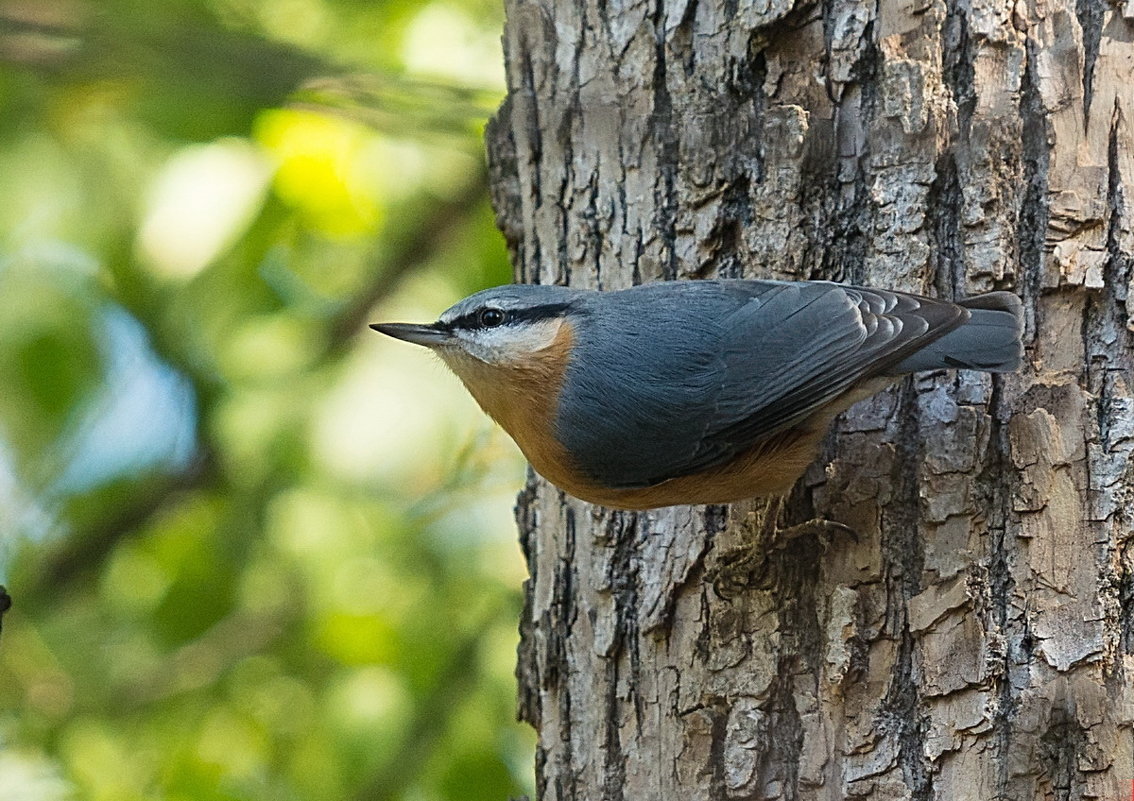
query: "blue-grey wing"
643, 380
707, 376
811, 342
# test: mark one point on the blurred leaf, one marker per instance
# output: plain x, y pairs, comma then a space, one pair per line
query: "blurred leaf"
49, 358
247, 564
176, 68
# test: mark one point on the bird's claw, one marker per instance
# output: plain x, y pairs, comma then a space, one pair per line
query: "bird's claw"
818, 526
747, 566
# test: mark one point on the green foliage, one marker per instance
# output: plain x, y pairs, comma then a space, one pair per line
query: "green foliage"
255, 552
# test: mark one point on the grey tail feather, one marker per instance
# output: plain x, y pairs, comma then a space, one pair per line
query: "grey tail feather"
989, 341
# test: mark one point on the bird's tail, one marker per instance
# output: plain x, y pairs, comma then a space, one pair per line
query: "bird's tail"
990, 340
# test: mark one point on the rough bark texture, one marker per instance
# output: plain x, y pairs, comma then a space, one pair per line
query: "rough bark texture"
977, 641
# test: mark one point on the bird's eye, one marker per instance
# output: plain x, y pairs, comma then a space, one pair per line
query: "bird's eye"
490, 318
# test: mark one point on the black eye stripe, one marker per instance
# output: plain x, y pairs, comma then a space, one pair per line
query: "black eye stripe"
472, 321
533, 313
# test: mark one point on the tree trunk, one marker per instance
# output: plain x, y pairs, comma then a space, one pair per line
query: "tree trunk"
977, 640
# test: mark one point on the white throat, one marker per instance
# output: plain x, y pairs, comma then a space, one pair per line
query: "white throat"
504, 345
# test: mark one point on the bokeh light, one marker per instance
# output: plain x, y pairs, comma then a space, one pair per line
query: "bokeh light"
256, 551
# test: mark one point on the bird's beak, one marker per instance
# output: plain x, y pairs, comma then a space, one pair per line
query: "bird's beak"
428, 335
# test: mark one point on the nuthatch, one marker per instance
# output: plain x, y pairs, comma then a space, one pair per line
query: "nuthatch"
694, 392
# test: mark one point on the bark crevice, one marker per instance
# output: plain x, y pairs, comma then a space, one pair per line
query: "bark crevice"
984, 617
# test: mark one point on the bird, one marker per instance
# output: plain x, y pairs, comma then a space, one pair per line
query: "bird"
704, 391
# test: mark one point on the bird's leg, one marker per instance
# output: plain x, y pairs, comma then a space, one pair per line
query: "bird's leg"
778, 536
746, 566
742, 566
770, 526
818, 526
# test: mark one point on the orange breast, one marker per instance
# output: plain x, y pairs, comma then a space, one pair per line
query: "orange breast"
522, 399
770, 467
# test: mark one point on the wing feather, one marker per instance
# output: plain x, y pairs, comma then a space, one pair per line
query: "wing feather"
847, 335
681, 381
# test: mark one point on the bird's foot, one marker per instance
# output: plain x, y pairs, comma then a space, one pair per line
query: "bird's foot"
736, 571
818, 526
747, 566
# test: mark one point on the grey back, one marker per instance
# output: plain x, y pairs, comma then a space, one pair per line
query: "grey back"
673, 378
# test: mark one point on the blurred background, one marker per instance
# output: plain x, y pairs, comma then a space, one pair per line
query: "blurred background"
255, 551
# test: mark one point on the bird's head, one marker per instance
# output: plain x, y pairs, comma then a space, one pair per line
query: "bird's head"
506, 326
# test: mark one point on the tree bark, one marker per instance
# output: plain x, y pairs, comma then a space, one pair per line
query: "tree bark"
977, 641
